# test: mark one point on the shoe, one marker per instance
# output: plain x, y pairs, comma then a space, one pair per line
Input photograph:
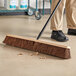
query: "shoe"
71, 31
59, 36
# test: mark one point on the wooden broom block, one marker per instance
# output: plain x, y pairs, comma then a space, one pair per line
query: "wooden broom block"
38, 46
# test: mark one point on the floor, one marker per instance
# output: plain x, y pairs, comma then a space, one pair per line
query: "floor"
20, 62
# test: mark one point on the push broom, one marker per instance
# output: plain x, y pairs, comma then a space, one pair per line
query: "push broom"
37, 45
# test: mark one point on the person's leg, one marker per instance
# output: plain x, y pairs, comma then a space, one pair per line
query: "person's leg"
71, 16
71, 13
57, 21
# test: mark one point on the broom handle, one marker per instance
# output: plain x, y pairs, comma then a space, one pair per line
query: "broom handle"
48, 19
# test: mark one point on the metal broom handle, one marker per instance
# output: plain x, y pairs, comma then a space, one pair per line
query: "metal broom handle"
48, 19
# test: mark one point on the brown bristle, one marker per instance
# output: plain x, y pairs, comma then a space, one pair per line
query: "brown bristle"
38, 46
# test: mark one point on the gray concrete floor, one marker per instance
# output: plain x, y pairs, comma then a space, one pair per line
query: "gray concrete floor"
20, 62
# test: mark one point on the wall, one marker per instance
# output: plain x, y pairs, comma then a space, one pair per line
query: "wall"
1, 3
33, 3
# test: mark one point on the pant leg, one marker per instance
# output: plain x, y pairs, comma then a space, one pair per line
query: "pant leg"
71, 13
57, 19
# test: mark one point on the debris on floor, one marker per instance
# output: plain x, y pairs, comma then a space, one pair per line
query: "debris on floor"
36, 53
20, 54
43, 57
